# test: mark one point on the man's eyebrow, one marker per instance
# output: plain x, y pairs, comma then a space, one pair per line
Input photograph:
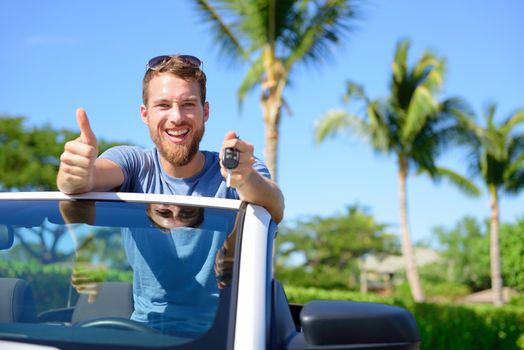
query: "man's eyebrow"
183, 98
189, 98
160, 100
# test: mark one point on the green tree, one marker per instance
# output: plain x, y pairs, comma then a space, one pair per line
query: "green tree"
331, 247
274, 36
29, 156
465, 253
411, 125
512, 249
497, 157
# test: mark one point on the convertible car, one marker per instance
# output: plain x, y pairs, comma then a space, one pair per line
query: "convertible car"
145, 271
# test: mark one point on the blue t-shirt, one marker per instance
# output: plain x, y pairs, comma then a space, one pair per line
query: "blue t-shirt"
144, 174
174, 285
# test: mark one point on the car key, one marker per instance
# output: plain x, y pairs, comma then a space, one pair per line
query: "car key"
230, 162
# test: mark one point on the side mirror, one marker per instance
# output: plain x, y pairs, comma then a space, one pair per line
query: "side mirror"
355, 324
6, 237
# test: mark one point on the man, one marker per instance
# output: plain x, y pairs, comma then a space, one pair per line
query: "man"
175, 110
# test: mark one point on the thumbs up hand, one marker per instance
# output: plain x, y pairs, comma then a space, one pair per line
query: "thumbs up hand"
77, 162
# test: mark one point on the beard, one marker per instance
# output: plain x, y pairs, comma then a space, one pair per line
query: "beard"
178, 155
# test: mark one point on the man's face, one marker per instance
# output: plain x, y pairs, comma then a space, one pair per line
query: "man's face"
175, 117
171, 216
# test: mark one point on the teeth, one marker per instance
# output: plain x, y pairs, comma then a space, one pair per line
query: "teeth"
177, 132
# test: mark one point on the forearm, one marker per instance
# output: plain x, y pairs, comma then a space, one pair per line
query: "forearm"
264, 192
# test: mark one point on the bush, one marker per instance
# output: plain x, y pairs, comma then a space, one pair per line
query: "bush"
517, 300
438, 291
469, 327
298, 276
301, 295
443, 326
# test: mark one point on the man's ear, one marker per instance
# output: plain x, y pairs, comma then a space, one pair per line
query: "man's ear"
206, 111
143, 114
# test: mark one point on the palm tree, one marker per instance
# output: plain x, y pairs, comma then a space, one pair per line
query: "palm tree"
409, 124
273, 36
497, 157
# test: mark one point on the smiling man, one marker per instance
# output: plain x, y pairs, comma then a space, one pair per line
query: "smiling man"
175, 111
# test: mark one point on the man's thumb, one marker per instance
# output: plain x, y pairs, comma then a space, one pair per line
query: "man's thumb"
86, 134
231, 135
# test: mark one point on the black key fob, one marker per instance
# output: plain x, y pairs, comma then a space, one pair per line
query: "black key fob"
231, 157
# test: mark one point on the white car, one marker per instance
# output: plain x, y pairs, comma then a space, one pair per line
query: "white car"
147, 271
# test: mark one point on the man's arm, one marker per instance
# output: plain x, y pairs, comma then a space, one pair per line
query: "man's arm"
250, 185
80, 171
264, 192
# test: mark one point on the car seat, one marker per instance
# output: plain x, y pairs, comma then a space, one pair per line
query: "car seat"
114, 299
17, 302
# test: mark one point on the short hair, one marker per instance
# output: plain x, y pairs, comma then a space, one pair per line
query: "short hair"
180, 68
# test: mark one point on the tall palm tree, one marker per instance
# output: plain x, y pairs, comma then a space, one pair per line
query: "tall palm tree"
497, 157
273, 36
409, 124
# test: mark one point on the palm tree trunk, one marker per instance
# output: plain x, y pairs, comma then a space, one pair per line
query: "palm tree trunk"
494, 248
407, 248
271, 145
272, 101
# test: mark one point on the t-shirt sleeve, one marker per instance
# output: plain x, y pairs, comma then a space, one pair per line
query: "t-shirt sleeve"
261, 168
131, 161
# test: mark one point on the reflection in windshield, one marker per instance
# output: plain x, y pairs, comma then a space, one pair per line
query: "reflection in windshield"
165, 216
168, 252
86, 274
174, 284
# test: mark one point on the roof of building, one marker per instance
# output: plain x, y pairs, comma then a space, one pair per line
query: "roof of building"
395, 263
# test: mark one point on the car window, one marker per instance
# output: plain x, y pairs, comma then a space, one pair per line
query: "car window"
157, 271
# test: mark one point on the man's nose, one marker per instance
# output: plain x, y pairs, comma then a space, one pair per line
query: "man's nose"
176, 115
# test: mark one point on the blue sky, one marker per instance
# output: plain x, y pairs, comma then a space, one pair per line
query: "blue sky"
59, 55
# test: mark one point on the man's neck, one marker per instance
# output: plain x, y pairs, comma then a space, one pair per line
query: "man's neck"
189, 170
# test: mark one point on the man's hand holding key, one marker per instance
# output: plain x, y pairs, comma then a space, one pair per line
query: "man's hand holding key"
237, 160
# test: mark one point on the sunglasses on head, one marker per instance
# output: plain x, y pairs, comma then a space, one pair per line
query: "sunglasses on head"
157, 61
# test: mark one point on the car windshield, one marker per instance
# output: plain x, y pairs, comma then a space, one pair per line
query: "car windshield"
115, 272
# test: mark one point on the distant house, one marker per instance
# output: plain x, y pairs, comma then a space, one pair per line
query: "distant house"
378, 274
